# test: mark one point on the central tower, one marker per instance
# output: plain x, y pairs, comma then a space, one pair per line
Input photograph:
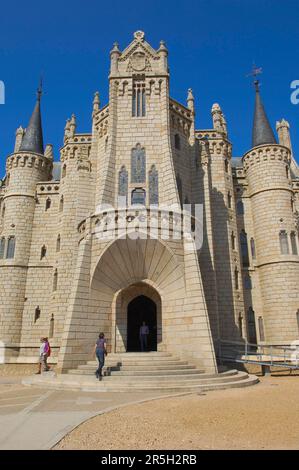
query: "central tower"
135, 153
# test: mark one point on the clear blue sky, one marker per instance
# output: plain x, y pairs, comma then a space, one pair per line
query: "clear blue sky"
212, 45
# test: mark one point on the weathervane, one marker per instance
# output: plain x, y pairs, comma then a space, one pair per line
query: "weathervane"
254, 73
40, 88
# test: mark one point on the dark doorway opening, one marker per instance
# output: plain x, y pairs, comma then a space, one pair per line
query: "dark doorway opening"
141, 309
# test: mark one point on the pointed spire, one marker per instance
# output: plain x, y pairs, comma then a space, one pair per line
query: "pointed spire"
262, 132
33, 138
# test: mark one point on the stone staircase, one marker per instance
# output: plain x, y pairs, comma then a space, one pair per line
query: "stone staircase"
138, 372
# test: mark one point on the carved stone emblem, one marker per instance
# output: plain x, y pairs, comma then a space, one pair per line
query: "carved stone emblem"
138, 61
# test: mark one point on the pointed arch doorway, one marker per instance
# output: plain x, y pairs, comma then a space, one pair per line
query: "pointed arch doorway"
141, 309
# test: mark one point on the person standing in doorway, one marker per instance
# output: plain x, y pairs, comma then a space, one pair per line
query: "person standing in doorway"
100, 351
143, 336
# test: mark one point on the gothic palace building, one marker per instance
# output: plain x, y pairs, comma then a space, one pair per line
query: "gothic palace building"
60, 279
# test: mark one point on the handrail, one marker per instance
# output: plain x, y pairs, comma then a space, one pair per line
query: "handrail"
270, 355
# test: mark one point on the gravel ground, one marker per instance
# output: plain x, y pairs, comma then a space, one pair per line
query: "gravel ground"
264, 416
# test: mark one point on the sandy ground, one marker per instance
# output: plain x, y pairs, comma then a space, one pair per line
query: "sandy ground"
264, 416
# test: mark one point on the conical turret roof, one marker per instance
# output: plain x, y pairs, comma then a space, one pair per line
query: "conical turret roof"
33, 138
262, 132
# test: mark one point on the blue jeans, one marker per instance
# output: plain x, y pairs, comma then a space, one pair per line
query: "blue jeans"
100, 353
143, 342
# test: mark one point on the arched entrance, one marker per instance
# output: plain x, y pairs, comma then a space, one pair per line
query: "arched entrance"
141, 309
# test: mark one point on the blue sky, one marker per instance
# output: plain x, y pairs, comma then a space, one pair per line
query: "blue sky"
212, 46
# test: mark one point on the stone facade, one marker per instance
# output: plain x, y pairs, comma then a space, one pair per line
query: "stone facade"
66, 272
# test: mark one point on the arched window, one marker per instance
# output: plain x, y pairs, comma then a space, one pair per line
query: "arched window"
43, 252
63, 173
252, 337
177, 142
233, 241
123, 181
180, 188
236, 279
284, 243
247, 282
36, 314
240, 208
153, 183
226, 165
58, 243
61, 203
55, 280
51, 329
138, 197
229, 200
294, 243
240, 323
138, 165
2, 247
261, 328
244, 249
11, 246
48, 204
287, 172
252, 246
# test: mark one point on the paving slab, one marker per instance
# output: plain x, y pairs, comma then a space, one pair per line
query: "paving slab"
34, 419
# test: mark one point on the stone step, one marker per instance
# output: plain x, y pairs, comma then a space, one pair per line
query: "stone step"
154, 380
96, 386
132, 362
130, 372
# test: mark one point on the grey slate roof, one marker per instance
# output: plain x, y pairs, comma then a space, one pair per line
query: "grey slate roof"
262, 132
33, 138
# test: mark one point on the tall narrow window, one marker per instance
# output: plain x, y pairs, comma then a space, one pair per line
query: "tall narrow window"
240, 322
48, 204
2, 247
153, 184
229, 200
294, 243
138, 165
3, 211
138, 99
11, 246
51, 329
226, 165
58, 243
297, 316
233, 240
284, 243
43, 252
236, 279
177, 142
252, 337
252, 246
244, 249
36, 314
287, 172
261, 328
240, 208
61, 202
247, 282
138, 196
123, 186
63, 173
55, 280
